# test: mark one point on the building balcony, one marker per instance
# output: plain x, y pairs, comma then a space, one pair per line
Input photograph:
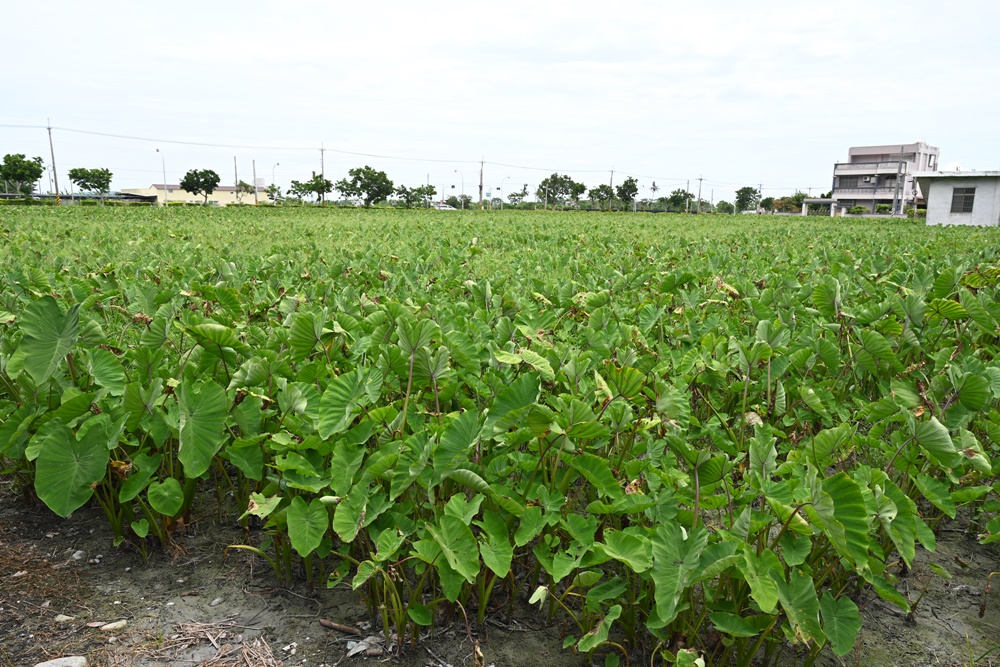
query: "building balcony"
866, 168
869, 192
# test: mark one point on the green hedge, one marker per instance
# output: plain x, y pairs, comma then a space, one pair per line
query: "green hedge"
27, 202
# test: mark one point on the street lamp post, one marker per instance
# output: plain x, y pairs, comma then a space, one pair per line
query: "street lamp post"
501, 190
462, 176
166, 190
276, 164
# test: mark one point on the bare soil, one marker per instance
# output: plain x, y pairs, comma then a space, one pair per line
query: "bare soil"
195, 605
199, 606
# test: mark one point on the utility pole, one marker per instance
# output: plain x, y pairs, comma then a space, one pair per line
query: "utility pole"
611, 184
481, 162
700, 179
687, 197
236, 175
322, 172
55, 176
166, 190
899, 174
875, 186
254, 163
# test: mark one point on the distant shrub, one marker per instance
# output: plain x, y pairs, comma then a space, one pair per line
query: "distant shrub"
883, 208
857, 210
28, 202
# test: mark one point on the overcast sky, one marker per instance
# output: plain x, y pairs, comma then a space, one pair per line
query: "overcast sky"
741, 93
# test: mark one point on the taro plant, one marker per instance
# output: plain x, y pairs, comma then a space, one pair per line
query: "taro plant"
691, 443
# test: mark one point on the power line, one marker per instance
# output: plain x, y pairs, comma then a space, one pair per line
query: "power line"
568, 171
258, 147
243, 146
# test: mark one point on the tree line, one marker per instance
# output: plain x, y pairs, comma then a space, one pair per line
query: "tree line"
21, 173
370, 186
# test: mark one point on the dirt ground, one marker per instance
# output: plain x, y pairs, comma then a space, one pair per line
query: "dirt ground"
197, 607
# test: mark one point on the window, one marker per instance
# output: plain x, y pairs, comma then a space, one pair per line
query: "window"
848, 181
962, 200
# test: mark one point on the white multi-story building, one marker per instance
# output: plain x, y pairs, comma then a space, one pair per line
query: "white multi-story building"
876, 175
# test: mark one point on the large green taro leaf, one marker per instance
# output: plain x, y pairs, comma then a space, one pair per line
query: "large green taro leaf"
307, 524
453, 448
841, 622
203, 410
48, 335
342, 398
798, 599
166, 498
676, 555
108, 371
494, 545
511, 404
458, 546
67, 469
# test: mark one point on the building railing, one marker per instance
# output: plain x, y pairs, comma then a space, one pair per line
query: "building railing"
869, 191
886, 167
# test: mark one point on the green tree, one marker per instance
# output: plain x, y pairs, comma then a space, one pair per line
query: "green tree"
653, 189
725, 207
746, 198
790, 204
317, 185
409, 196
200, 182
242, 190
426, 192
628, 189
92, 180
21, 172
560, 188
601, 194
300, 190
767, 203
367, 183
678, 199
273, 193
515, 198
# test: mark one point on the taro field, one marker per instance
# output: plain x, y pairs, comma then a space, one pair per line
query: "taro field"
692, 440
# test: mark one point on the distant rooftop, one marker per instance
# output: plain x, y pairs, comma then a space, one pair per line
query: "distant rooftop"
891, 148
220, 188
957, 174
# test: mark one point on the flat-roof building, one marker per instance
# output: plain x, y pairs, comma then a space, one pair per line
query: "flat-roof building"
876, 175
223, 194
962, 197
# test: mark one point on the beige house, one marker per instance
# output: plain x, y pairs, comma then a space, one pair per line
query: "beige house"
224, 194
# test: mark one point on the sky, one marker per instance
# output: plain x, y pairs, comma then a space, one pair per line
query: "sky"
737, 93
